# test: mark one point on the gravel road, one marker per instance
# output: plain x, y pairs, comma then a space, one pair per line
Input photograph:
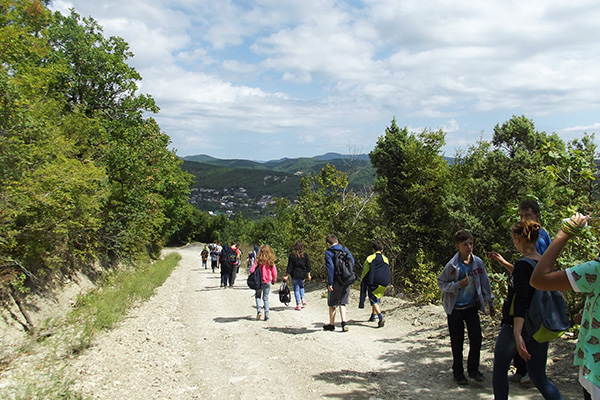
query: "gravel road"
195, 340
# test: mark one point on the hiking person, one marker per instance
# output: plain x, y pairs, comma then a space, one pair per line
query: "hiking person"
214, 256
204, 256
528, 210
512, 337
225, 265
251, 259
234, 262
581, 278
374, 279
299, 268
466, 289
338, 294
265, 260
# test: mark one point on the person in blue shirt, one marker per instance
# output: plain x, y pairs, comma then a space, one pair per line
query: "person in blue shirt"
529, 210
337, 295
466, 289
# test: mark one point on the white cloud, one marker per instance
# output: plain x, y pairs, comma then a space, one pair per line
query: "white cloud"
339, 71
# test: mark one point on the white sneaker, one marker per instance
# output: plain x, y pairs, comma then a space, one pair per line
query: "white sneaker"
526, 379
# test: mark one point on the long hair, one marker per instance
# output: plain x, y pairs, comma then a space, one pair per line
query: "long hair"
299, 249
528, 230
266, 256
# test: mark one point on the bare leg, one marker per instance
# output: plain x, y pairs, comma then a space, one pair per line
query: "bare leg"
331, 315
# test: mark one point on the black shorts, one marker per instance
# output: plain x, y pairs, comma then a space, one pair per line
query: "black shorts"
340, 296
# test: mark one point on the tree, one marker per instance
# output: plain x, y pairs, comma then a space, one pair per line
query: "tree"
412, 186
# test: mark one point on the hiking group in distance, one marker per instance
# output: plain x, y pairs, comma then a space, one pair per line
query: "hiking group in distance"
528, 323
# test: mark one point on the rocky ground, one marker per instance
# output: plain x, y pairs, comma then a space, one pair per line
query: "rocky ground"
195, 340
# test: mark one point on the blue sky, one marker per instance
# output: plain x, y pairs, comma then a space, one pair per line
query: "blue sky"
268, 79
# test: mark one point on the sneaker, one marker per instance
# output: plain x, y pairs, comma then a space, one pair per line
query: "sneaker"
258, 316
477, 376
373, 318
303, 303
526, 379
298, 307
381, 323
328, 327
515, 377
344, 327
461, 380
266, 318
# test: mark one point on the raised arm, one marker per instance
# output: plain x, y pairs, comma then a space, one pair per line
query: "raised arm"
544, 277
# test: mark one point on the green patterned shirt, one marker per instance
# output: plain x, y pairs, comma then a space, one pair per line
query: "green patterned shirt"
584, 279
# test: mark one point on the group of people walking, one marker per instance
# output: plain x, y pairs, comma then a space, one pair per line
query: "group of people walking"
466, 289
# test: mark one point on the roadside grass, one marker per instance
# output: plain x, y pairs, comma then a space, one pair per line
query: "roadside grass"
101, 309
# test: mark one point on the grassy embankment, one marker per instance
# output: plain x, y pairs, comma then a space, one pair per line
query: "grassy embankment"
58, 341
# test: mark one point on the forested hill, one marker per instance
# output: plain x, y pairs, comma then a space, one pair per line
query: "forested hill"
280, 178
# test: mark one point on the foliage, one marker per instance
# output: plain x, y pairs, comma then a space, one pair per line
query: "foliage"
94, 312
412, 186
84, 174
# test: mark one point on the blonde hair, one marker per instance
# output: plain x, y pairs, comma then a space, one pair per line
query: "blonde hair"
266, 256
528, 230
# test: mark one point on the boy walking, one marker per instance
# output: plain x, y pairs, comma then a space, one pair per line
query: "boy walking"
338, 295
375, 278
465, 290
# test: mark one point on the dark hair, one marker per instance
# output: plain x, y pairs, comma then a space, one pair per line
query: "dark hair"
461, 236
332, 239
528, 230
377, 245
299, 249
529, 204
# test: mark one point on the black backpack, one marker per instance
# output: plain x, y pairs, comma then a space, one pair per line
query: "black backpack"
284, 293
255, 279
343, 267
232, 257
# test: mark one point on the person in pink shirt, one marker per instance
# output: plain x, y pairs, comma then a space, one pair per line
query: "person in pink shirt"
265, 260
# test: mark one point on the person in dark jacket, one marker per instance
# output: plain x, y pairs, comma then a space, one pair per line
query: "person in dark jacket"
338, 295
225, 264
299, 268
375, 278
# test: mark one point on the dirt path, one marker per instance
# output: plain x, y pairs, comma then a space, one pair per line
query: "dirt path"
195, 340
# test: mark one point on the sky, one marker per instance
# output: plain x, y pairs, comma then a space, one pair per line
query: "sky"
268, 79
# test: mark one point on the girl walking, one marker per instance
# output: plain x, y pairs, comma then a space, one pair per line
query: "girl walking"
512, 337
265, 260
299, 268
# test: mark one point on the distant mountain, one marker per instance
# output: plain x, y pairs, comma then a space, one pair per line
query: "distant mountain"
233, 185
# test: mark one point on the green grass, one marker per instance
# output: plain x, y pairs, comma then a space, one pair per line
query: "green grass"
101, 309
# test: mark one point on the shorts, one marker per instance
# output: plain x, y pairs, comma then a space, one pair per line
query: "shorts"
340, 296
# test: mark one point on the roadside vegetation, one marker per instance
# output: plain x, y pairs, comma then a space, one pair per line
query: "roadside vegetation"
57, 341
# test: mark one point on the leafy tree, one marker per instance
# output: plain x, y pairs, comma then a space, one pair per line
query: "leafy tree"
412, 186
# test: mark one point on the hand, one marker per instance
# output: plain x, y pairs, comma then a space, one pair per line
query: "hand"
309, 278
330, 288
285, 278
492, 311
464, 282
521, 348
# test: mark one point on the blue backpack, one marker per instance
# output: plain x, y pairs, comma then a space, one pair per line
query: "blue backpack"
546, 318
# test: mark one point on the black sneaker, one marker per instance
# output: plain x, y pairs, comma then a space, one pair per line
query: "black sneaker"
381, 323
373, 318
477, 376
344, 327
328, 327
461, 380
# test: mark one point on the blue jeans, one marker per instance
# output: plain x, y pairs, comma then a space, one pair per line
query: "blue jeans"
505, 350
298, 289
224, 279
263, 292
